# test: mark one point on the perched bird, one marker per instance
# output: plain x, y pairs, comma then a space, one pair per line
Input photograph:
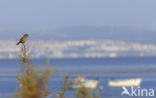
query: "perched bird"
23, 39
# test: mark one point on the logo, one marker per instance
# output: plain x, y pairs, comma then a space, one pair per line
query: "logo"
137, 92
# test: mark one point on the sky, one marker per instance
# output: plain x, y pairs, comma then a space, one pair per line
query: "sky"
50, 14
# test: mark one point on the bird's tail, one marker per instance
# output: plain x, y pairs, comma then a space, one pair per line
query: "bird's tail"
18, 43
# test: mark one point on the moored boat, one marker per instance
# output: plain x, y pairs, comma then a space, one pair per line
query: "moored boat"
83, 82
135, 82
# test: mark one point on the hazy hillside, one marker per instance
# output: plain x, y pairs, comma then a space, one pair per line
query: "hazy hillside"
86, 33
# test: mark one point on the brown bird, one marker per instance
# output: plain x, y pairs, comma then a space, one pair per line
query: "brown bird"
23, 39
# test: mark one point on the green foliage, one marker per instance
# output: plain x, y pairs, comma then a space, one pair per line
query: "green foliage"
33, 83
66, 86
97, 95
84, 93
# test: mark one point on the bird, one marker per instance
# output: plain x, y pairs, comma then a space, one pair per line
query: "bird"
23, 39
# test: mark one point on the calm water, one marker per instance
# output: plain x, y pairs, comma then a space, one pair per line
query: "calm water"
102, 68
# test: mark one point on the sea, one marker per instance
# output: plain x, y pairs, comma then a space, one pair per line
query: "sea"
104, 69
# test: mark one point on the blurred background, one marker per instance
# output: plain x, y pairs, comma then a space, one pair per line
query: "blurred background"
90, 38
89, 28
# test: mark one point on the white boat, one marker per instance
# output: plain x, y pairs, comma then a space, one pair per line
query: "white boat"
83, 82
135, 82
91, 84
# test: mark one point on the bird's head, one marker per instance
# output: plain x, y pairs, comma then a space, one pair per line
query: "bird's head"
25, 34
